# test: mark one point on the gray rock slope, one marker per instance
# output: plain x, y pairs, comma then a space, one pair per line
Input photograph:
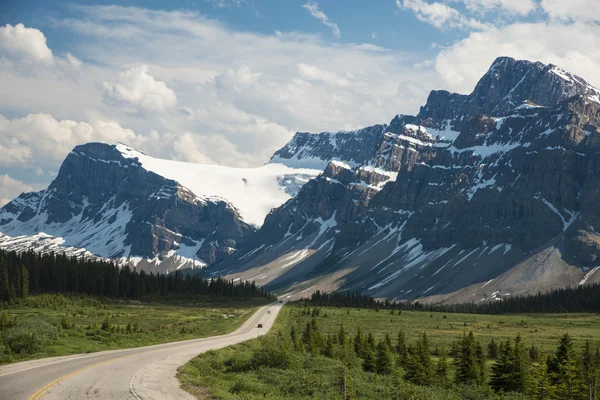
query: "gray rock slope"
104, 204
477, 197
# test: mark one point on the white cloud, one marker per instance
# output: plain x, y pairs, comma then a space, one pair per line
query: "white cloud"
572, 10
312, 73
135, 86
237, 99
321, 16
25, 43
72, 60
11, 188
516, 7
39, 141
567, 46
439, 15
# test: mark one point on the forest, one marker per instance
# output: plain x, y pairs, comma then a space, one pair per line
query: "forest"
580, 299
27, 273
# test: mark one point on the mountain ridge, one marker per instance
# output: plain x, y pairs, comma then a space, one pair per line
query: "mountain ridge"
462, 198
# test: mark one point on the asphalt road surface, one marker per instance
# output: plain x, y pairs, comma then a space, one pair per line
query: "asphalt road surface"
140, 373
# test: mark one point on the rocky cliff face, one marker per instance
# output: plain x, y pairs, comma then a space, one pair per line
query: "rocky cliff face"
497, 185
106, 203
477, 197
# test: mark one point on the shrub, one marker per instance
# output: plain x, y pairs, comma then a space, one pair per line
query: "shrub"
30, 336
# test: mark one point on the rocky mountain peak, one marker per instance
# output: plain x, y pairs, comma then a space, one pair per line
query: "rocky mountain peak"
505, 86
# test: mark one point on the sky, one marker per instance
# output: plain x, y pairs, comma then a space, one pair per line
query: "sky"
230, 81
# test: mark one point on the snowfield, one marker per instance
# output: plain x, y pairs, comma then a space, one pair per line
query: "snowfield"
253, 191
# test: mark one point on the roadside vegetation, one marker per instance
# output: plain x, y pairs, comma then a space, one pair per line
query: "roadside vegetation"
351, 353
52, 305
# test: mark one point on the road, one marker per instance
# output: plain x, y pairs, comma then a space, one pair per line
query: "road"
139, 373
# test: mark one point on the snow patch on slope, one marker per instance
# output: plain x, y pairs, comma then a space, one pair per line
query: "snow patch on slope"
252, 191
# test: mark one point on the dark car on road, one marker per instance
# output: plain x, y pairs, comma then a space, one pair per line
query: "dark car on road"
260, 325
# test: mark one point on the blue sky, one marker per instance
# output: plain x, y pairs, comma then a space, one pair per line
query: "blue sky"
358, 20
230, 81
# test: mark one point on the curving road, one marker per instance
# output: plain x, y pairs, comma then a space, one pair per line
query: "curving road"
139, 373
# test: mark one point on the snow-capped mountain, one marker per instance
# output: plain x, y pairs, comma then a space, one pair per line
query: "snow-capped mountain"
477, 197
116, 202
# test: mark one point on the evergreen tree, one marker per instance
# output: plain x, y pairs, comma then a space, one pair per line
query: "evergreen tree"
588, 369
24, 289
519, 365
341, 335
419, 366
12, 291
492, 350
501, 370
370, 343
401, 349
359, 343
534, 353
369, 363
467, 371
294, 338
541, 387
441, 369
481, 364
566, 372
328, 349
383, 361
4, 284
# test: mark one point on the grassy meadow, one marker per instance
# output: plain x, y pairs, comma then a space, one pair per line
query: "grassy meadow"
242, 371
56, 325
443, 328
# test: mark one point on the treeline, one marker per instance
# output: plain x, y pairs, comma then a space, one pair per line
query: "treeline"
565, 374
30, 272
585, 298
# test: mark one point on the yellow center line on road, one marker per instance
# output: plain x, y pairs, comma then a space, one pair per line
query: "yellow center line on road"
37, 395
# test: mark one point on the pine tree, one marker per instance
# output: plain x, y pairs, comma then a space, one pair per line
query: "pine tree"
401, 349
370, 343
341, 336
359, 343
441, 369
566, 372
369, 363
328, 349
388, 341
383, 361
588, 367
419, 367
501, 370
24, 292
466, 363
541, 386
519, 366
492, 350
481, 364
12, 292
294, 338
4, 284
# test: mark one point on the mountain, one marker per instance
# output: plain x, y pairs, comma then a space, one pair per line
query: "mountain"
477, 197
115, 202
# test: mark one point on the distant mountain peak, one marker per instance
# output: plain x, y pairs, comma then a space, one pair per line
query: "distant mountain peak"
506, 85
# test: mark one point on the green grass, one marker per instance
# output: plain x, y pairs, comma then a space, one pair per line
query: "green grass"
230, 373
151, 323
442, 328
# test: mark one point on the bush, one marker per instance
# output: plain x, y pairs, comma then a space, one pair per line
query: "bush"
272, 354
30, 336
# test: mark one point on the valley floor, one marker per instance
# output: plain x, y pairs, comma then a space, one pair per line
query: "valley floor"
274, 367
58, 325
